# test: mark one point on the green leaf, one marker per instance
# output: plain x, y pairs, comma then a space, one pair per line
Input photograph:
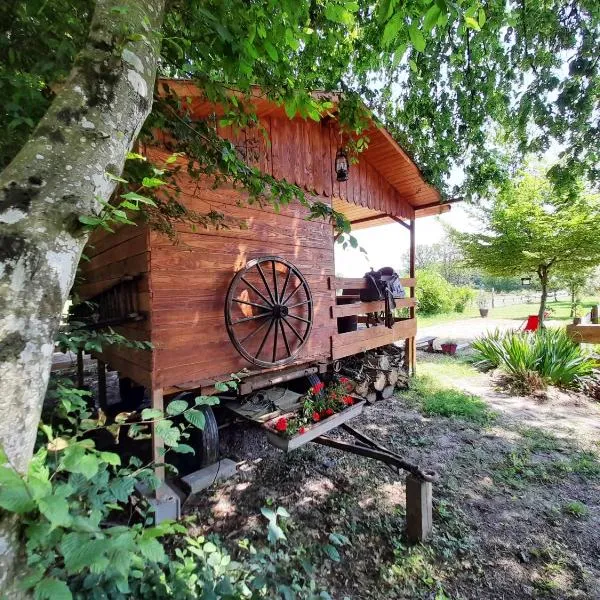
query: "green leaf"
431, 17
135, 197
271, 51
282, 512
111, 458
152, 549
472, 23
152, 182
56, 510
392, 28
169, 434
338, 14
184, 449
50, 588
176, 407
275, 533
87, 220
149, 414
88, 466
332, 552
195, 417
14, 495
115, 177
268, 513
416, 38
481, 18
207, 400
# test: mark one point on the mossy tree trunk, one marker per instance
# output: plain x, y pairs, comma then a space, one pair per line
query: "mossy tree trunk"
58, 176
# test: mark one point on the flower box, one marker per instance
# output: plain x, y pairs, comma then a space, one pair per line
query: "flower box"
312, 431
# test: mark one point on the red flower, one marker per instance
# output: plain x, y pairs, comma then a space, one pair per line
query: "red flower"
317, 388
329, 412
281, 424
348, 400
316, 416
302, 430
344, 380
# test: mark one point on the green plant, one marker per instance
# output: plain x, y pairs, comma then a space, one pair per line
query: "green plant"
575, 509
433, 399
532, 360
462, 297
434, 293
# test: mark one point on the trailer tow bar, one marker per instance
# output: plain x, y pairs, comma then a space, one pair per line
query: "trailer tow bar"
419, 513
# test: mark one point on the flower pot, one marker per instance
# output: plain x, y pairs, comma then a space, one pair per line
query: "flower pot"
484, 312
315, 430
449, 348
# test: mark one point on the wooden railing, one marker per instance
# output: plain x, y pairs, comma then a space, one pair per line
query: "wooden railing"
352, 342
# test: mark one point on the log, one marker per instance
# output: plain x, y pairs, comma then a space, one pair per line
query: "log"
384, 362
392, 376
362, 389
379, 381
386, 392
371, 397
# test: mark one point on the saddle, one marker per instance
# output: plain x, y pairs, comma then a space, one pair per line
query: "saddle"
383, 284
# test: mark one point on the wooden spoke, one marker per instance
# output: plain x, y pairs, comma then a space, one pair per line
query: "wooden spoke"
275, 283
285, 283
254, 288
299, 318
254, 332
264, 279
252, 318
259, 338
275, 340
285, 340
262, 344
293, 329
252, 304
300, 304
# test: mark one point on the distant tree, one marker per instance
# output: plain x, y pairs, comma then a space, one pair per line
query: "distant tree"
575, 282
529, 228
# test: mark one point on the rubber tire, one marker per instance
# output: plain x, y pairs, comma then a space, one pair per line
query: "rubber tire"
132, 395
205, 441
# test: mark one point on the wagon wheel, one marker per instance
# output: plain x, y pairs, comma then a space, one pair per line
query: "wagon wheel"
269, 311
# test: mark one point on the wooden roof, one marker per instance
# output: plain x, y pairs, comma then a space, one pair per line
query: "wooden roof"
383, 154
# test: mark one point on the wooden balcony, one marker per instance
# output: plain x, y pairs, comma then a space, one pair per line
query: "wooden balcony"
367, 338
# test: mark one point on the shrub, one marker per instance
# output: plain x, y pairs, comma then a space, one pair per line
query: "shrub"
434, 293
533, 360
462, 297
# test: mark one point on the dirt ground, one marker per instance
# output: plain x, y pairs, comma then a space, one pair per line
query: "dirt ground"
516, 509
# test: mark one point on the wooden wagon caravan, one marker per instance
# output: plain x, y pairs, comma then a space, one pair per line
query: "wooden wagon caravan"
261, 300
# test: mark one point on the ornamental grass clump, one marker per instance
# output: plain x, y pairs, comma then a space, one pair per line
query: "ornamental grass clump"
535, 360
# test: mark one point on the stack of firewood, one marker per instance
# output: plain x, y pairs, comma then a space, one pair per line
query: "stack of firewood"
376, 373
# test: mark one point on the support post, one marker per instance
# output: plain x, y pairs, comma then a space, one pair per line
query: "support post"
158, 447
410, 354
80, 381
102, 403
419, 512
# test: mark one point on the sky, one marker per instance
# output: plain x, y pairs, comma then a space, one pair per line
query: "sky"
386, 245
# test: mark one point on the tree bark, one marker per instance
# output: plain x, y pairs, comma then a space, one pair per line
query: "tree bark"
543, 275
58, 176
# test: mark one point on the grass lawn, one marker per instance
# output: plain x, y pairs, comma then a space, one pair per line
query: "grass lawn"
560, 311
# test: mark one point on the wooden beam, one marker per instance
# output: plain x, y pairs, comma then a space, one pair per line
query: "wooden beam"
371, 218
359, 308
419, 510
410, 354
400, 222
360, 283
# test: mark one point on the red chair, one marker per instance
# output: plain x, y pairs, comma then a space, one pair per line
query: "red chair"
532, 323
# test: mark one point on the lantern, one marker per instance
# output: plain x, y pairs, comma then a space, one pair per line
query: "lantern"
341, 165
525, 281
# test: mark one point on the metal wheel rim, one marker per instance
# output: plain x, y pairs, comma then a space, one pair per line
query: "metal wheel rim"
275, 321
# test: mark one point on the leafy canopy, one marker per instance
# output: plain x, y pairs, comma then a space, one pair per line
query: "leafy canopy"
445, 77
529, 228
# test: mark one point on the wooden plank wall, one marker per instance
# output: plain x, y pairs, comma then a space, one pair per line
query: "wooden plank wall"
112, 256
303, 152
190, 280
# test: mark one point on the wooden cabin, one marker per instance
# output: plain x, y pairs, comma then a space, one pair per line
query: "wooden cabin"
185, 299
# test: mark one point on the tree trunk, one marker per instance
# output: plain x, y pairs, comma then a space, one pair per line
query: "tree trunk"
543, 275
58, 176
